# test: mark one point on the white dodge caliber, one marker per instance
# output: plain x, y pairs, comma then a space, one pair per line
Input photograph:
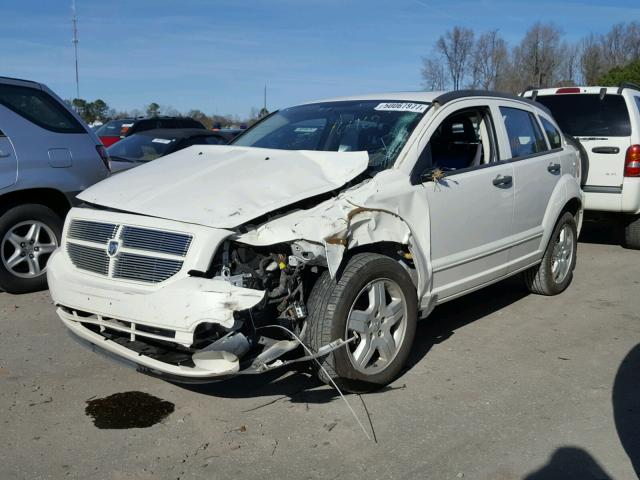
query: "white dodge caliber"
323, 232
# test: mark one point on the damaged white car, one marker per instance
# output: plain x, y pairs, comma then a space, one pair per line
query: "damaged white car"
335, 224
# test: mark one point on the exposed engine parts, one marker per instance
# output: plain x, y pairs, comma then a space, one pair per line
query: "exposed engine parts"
280, 271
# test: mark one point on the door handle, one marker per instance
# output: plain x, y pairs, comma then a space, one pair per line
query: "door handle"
554, 168
503, 181
605, 150
4, 154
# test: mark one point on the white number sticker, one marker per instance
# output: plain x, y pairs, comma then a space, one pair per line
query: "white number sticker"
161, 140
402, 107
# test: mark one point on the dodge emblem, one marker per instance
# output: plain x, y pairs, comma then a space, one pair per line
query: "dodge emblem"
112, 248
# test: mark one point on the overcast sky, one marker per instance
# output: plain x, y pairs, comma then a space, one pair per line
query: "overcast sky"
217, 55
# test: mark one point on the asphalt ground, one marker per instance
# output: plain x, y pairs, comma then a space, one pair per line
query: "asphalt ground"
501, 385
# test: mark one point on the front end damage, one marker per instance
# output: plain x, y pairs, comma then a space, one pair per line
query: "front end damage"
237, 304
243, 315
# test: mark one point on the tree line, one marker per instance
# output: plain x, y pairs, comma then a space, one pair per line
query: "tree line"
543, 58
99, 111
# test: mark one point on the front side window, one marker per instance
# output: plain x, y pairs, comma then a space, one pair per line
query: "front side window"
380, 128
39, 108
555, 141
525, 137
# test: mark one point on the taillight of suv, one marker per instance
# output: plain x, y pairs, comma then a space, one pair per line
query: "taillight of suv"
632, 162
104, 156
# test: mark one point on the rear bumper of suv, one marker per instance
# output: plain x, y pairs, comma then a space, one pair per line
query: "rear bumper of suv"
624, 199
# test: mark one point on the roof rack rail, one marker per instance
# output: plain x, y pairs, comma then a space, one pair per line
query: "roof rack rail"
526, 89
457, 94
624, 85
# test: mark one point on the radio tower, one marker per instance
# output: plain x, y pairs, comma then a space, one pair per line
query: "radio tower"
74, 20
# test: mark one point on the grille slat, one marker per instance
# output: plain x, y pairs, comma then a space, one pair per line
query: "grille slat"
147, 269
143, 267
155, 240
88, 258
91, 231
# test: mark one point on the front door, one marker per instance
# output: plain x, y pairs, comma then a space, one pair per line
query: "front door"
471, 206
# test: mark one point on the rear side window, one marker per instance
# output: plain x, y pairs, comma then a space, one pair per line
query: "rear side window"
525, 137
40, 108
552, 133
585, 115
637, 102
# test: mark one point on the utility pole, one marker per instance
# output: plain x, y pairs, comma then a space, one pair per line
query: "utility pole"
264, 106
74, 20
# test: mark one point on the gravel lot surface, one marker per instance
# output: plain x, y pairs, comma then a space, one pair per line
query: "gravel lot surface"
501, 385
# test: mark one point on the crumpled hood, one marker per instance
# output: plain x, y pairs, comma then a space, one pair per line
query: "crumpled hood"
225, 186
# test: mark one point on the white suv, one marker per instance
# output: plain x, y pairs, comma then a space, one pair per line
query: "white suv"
606, 121
334, 224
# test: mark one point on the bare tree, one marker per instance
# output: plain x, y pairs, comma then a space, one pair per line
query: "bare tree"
433, 74
569, 63
538, 55
488, 60
455, 46
592, 60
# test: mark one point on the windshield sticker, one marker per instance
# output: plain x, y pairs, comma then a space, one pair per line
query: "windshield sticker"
161, 140
306, 129
126, 125
402, 107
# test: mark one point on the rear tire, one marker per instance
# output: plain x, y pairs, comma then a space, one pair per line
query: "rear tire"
554, 274
375, 300
632, 233
28, 235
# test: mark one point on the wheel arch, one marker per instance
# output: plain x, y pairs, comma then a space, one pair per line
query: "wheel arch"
49, 197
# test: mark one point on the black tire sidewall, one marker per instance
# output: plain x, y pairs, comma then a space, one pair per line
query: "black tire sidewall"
9, 282
377, 268
553, 287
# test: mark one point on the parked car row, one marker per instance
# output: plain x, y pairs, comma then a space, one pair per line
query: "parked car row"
115, 130
336, 224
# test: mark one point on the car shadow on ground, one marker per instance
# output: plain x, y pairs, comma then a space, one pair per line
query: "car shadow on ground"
574, 463
602, 230
301, 386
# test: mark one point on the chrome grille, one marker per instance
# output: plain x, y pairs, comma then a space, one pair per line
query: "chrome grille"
89, 258
146, 269
155, 240
91, 231
146, 255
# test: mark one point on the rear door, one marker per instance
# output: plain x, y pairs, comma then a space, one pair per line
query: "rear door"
603, 127
8, 160
536, 169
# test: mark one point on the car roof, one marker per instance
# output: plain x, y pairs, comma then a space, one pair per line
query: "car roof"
440, 97
406, 96
178, 133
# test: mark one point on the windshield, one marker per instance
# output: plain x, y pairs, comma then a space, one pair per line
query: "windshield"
141, 148
585, 115
381, 128
112, 128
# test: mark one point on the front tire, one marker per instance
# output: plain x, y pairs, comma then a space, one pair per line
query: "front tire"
374, 300
632, 233
28, 236
554, 274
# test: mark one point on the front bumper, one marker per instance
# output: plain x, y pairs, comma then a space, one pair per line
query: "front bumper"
170, 313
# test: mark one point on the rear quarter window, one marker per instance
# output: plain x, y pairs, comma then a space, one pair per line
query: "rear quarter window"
552, 132
39, 108
585, 115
